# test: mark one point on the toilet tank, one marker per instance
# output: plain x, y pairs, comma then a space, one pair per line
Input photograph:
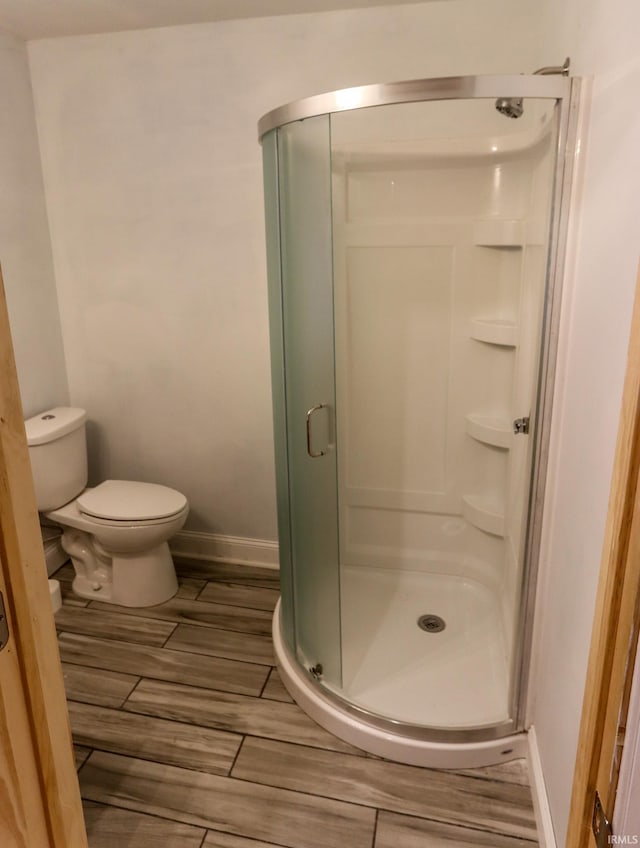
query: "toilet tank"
58, 453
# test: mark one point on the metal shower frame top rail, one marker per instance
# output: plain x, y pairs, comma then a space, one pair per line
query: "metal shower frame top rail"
415, 91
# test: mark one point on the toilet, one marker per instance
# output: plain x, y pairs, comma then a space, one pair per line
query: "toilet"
116, 533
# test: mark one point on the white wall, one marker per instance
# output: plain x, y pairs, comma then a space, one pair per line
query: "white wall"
154, 190
25, 250
601, 36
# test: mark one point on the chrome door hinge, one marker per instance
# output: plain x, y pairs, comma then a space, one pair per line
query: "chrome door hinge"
521, 425
601, 825
4, 625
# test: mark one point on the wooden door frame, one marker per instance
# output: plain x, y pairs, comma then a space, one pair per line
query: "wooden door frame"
32, 638
614, 637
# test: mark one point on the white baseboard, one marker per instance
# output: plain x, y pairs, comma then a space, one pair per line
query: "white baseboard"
261, 552
541, 807
54, 555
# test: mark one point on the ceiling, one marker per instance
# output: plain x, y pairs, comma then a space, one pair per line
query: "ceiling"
31, 19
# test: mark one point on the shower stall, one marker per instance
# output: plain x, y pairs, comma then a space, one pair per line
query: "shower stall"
414, 237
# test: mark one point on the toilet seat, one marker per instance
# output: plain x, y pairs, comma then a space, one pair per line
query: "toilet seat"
125, 500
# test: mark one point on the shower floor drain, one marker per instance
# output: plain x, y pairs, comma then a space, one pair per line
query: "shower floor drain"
431, 623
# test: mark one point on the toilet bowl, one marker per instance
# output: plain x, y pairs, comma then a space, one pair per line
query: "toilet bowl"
116, 533
120, 556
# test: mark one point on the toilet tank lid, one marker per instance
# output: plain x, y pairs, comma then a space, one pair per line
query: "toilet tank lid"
53, 424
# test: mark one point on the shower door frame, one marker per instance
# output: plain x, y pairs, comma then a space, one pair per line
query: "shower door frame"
566, 92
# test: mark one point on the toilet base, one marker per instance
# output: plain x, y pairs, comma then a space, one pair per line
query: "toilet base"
129, 580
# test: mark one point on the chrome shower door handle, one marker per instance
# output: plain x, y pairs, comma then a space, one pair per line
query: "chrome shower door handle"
313, 454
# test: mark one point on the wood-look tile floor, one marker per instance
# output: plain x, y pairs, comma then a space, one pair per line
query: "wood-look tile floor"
186, 738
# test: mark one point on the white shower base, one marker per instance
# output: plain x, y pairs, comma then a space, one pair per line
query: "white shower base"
455, 679
359, 731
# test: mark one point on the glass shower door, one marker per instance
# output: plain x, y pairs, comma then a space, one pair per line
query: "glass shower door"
441, 215
304, 165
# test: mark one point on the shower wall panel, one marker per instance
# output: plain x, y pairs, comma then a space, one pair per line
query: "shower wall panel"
410, 279
399, 309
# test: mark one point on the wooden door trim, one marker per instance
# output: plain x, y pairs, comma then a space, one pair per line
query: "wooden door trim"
614, 636
22, 815
28, 599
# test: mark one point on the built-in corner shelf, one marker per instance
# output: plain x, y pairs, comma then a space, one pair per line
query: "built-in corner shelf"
491, 431
494, 331
483, 514
499, 232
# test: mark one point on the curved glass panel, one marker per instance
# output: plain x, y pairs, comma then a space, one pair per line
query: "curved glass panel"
304, 164
278, 394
